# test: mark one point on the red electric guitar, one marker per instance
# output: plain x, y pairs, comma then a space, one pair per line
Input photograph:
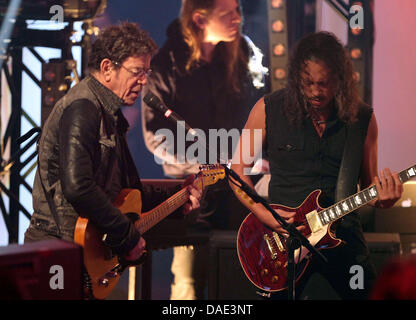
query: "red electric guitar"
263, 252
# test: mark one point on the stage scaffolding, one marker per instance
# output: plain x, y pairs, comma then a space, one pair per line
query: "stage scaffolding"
18, 151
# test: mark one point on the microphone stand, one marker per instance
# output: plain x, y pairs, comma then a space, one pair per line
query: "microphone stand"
295, 239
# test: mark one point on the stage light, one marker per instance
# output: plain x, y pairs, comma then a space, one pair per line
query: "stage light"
56, 80
356, 53
278, 42
356, 31
280, 73
49, 100
49, 76
276, 4
278, 26
279, 50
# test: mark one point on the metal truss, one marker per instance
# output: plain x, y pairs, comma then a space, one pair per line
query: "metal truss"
360, 43
278, 43
14, 166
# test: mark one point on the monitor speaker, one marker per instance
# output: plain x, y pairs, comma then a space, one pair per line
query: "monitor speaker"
44, 270
382, 246
227, 280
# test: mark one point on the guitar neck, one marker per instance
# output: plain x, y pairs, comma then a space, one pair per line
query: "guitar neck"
208, 175
154, 216
358, 200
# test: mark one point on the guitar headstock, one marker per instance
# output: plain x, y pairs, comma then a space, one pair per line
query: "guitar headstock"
210, 174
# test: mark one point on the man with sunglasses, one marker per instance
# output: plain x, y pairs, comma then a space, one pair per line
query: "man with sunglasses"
84, 160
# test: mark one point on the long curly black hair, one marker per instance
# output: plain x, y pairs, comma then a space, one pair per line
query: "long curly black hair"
325, 47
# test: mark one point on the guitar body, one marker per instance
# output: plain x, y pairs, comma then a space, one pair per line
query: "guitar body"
263, 253
103, 268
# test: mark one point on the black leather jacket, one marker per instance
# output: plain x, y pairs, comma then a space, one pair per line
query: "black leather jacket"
84, 162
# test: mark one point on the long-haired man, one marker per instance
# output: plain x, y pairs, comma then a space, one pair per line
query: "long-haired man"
318, 134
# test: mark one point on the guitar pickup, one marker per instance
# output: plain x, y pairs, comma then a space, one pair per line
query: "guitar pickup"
278, 242
314, 222
270, 246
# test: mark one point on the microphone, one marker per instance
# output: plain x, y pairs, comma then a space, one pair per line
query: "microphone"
154, 102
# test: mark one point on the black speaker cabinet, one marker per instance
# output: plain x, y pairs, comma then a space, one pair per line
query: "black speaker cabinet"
44, 270
228, 281
383, 247
401, 218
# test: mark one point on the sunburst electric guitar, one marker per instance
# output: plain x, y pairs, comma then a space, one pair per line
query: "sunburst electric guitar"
263, 253
103, 268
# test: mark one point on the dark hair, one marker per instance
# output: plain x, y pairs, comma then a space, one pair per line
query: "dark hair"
120, 42
325, 47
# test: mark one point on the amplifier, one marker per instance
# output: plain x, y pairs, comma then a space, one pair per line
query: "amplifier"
408, 198
401, 218
226, 280
44, 270
382, 246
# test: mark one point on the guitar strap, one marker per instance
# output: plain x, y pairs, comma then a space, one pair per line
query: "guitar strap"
349, 173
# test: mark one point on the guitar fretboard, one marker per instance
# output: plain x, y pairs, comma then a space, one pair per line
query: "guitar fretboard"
162, 211
208, 175
358, 200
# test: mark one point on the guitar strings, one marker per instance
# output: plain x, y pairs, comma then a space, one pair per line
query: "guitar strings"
164, 210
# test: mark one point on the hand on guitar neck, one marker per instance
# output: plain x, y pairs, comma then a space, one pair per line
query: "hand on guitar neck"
389, 188
195, 193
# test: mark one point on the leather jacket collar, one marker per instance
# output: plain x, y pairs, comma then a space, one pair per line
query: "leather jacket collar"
108, 99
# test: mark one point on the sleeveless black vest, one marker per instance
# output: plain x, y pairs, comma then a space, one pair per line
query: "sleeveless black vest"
301, 161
